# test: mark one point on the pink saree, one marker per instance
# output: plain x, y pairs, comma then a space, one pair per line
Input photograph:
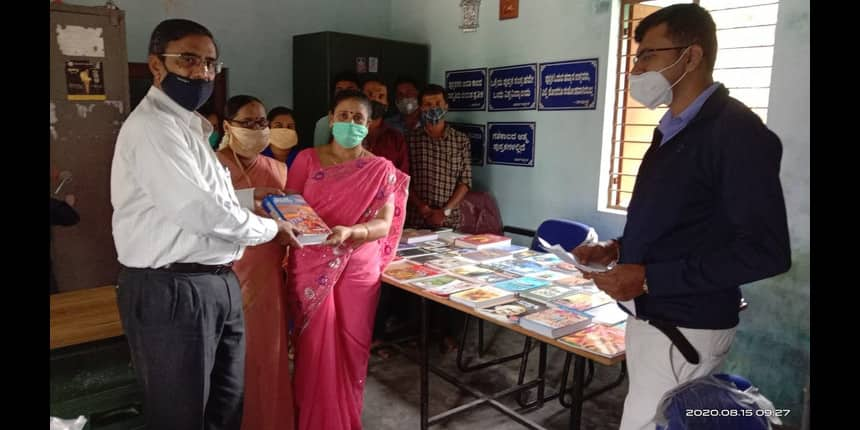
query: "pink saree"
268, 394
333, 292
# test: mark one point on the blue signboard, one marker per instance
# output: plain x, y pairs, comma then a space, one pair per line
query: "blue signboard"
466, 89
476, 138
568, 85
512, 88
511, 143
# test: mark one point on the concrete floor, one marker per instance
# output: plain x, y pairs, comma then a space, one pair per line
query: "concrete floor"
393, 389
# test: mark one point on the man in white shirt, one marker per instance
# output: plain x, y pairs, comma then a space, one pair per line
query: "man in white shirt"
178, 225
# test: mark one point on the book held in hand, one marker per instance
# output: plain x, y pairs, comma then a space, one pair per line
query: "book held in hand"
293, 209
570, 258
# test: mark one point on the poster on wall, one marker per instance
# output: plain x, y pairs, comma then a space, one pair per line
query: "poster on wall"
466, 89
476, 139
512, 88
85, 80
566, 85
511, 143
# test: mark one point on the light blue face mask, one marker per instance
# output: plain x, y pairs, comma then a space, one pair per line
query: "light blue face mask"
348, 135
433, 116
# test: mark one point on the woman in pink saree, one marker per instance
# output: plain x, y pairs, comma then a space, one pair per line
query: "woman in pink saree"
268, 397
334, 287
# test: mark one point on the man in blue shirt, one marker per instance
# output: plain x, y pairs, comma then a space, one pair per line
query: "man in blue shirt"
707, 214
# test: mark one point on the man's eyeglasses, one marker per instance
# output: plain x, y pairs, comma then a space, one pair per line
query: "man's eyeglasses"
255, 124
192, 60
648, 53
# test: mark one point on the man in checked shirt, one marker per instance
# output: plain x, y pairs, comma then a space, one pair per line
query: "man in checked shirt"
441, 170
440, 165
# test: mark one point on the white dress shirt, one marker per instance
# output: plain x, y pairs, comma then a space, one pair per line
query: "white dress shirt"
173, 201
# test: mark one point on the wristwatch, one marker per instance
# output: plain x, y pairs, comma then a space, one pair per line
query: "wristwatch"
447, 212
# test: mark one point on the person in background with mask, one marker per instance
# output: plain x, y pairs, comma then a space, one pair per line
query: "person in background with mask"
383, 140
283, 140
268, 399
441, 169
706, 216
178, 225
408, 115
342, 81
214, 118
333, 287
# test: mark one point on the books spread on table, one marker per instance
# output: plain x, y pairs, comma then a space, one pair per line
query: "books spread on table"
293, 209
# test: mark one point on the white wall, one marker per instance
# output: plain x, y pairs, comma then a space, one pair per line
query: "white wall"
564, 181
255, 36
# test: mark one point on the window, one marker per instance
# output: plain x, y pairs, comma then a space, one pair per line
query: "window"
745, 39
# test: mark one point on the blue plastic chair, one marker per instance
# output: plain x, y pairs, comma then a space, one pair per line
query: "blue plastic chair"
569, 234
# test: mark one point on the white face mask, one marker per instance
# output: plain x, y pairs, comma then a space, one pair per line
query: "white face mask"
407, 105
248, 143
652, 88
283, 138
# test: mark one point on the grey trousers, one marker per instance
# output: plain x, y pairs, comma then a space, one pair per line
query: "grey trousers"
187, 339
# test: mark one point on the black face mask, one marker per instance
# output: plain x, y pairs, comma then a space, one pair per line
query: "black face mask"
188, 93
378, 109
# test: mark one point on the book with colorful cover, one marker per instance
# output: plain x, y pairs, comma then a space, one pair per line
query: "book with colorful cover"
440, 281
482, 241
555, 322
481, 274
519, 267
447, 290
293, 209
482, 297
447, 263
424, 259
529, 253
546, 294
434, 244
511, 312
521, 284
414, 252
582, 301
549, 275
606, 341
512, 249
405, 271
608, 314
546, 259
490, 255
411, 235
450, 236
